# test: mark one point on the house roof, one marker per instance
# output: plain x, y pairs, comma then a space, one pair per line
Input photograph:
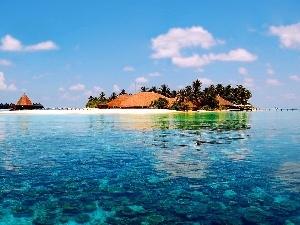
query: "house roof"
24, 100
117, 101
223, 102
141, 99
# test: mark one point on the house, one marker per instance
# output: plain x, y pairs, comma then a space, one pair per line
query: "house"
25, 103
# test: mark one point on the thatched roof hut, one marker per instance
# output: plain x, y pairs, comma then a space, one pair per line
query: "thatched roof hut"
139, 100
223, 102
25, 103
24, 100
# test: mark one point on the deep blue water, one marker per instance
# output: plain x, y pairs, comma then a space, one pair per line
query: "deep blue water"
201, 168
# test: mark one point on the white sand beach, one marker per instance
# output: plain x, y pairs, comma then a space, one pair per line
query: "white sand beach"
90, 111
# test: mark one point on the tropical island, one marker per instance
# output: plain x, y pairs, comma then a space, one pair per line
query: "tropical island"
192, 97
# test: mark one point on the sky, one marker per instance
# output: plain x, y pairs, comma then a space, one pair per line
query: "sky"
60, 52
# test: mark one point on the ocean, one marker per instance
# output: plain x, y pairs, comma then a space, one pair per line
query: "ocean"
186, 168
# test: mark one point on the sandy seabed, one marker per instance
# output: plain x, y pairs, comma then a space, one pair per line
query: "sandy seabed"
90, 111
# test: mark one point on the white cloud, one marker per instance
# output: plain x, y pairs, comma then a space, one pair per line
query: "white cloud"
199, 61
248, 82
61, 89
141, 80
232, 81
155, 74
169, 45
270, 70
273, 82
68, 97
289, 36
243, 71
88, 93
5, 62
9, 43
43, 46
295, 77
99, 89
4, 86
116, 88
192, 61
239, 54
128, 69
11, 87
205, 81
77, 87
135, 87
95, 92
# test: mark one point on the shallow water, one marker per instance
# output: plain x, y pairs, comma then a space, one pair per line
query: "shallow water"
201, 168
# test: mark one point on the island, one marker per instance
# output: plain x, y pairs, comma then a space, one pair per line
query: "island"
192, 97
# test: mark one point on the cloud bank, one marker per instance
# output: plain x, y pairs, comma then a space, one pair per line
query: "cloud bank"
295, 77
5, 62
289, 36
77, 87
128, 69
171, 44
4, 86
11, 44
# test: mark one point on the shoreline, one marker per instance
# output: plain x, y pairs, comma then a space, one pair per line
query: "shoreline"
86, 111
116, 111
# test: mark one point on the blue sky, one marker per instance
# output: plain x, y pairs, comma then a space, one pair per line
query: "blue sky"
61, 52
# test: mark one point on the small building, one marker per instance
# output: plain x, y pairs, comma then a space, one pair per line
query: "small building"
25, 103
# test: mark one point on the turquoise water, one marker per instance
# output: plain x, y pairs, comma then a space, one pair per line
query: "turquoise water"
201, 168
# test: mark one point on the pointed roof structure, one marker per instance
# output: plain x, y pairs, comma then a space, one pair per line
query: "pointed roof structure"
223, 102
24, 100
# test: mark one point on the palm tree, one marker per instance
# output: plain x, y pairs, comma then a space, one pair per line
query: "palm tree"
182, 99
196, 93
242, 95
112, 96
164, 90
229, 94
220, 90
209, 100
144, 89
188, 92
173, 94
153, 89
123, 92
101, 98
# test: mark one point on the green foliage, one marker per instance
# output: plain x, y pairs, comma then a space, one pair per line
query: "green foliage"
123, 92
112, 96
160, 103
93, 102
209, 99
192, 97
176, 106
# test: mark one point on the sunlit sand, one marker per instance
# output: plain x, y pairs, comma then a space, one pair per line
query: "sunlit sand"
91, 111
